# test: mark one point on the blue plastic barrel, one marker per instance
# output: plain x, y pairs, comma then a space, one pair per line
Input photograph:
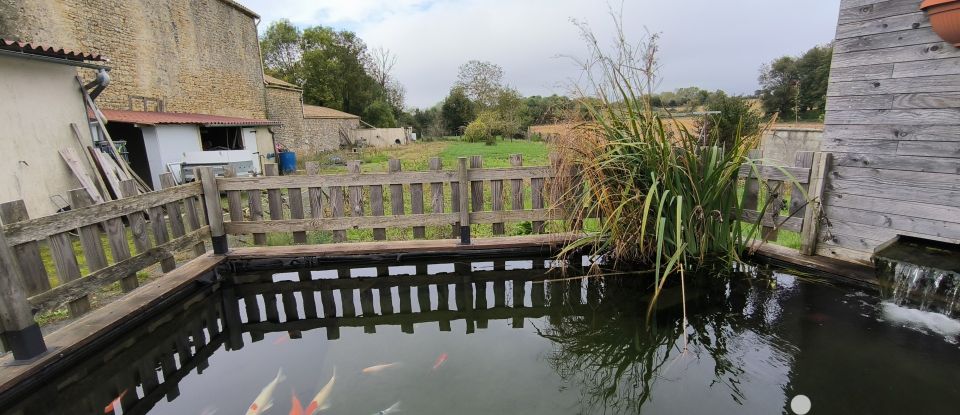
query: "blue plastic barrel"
287, 162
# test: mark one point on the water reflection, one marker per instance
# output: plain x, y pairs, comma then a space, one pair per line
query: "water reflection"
614, 356
541, 342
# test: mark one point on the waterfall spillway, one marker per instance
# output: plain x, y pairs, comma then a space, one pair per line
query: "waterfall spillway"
920, 273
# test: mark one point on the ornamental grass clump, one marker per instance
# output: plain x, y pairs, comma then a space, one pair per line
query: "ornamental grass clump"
663, 195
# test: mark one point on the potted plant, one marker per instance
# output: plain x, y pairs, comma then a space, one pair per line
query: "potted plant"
945, 19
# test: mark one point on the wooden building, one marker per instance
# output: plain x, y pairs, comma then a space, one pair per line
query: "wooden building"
893, 128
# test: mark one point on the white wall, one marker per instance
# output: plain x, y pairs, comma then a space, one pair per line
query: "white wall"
38, 101
265, 145
380, 137
166, 144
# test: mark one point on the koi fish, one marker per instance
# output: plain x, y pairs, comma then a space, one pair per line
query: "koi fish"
264, 401
379, 368
319, 402
296, 408
282, 339
439, 361
393, 408
114, 403
209, 411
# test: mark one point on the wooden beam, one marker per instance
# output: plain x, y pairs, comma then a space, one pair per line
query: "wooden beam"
211, 204
392, 247
463, 201
811, 219
20, 332
39, 228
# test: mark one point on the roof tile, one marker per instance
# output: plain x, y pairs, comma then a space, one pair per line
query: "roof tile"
156, 118
44, 50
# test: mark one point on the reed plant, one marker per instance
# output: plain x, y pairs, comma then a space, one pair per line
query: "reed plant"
663, 195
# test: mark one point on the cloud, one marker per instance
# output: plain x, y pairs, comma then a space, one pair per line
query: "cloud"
707, 43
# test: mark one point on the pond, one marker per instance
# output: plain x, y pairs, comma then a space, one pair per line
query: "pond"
482, 336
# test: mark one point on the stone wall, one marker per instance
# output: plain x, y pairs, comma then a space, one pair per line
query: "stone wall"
284, 105
323, 134
196, 55
780, 145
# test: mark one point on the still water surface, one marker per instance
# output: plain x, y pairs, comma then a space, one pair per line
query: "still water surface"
509, 342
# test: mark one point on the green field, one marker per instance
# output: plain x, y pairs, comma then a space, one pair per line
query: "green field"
416, 156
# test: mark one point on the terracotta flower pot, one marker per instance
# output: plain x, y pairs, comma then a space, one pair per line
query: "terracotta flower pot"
945, 19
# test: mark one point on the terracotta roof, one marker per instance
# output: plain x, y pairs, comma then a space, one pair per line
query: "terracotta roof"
51, 51
314, 111
156, 118
269, 80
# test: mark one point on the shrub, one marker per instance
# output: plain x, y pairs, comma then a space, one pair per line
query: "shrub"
476, 132
662, 198
491, 140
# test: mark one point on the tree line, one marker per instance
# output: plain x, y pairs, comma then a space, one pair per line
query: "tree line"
337, 69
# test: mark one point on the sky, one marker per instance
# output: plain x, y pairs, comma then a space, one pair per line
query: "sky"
712, 44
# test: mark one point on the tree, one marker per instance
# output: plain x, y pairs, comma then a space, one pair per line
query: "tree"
335, 68
481, 81
381, 64
457, 110
380, 114
797, 86
281, 48
737, 118
547, 110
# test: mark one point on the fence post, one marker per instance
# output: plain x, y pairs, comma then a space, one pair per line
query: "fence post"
211, 205
464, 209
811, 217
20, 332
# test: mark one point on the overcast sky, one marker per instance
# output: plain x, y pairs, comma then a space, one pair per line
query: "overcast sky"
713, 44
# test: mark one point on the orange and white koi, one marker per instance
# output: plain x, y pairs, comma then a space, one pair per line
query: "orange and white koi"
296, 408
439, 362
114, 404
264, 401
379, 368
321, 401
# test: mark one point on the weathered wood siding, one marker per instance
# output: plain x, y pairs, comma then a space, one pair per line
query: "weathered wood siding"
893, 126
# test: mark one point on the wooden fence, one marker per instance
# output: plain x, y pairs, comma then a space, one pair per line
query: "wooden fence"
765, 197
468, 195
161, 223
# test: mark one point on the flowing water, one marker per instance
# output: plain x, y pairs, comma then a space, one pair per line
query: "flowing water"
921, 274
509, 337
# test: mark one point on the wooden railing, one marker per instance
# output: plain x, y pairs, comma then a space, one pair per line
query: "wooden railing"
157, 225
458, 198
765, 192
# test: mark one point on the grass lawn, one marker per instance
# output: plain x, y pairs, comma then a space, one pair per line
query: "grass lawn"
416, 156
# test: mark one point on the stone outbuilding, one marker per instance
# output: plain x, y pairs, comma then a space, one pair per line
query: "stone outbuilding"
327, 128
